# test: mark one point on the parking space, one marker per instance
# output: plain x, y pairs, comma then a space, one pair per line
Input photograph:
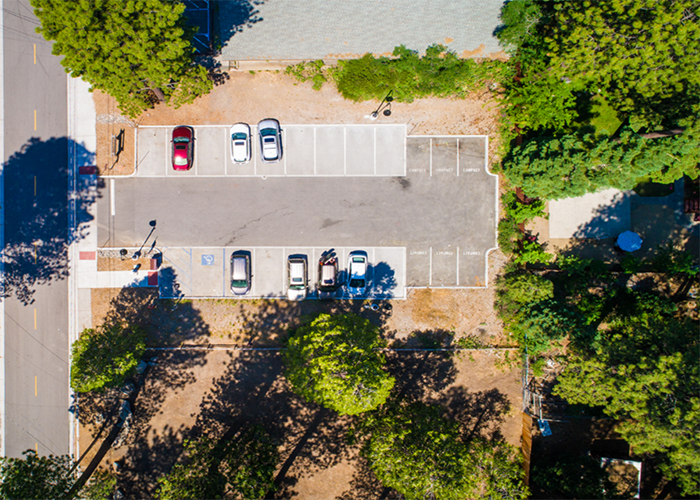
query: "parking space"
308, 150
205, 272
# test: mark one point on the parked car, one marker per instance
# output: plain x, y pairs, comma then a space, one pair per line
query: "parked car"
270, 135
357, 272
240, 143
183, 147
327, 284
240, 273
297, 277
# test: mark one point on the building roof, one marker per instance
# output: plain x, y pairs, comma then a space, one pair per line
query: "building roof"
343, 29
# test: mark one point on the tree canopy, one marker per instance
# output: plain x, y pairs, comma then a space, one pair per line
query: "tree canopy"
643, 369
245, 465
106, 357
335, 361
415, 450
130, 49
35, 476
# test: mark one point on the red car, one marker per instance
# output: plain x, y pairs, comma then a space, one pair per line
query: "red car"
183, 147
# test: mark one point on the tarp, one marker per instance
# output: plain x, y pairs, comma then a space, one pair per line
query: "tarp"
629, 241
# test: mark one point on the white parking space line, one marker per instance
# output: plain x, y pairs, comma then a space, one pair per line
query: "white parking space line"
345, 151
314, 150
458, 176
375, 150
253, 290
112, 202
430, 268
284, 151
431, 157
165, 162
457, 280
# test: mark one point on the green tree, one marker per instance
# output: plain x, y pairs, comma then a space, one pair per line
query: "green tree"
643, 368
134, 50
101, 486
629, 50
245, 465
572, 477
335, 361
413, 449
567, 166
106, 357
520, 20
36, 477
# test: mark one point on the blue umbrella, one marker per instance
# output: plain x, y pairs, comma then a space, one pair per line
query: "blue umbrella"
629, 241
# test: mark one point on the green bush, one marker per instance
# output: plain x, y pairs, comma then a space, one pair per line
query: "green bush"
522, 212
671, 260
439, 73
532, 252
314, 71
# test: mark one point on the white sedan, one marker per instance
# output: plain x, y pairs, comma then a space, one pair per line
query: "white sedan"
270, 140
240, 143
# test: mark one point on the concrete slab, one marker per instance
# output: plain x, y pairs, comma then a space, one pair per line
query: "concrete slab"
359, 150
215, 141
152, 151
390, 160
330, 151
595, 215
300, 159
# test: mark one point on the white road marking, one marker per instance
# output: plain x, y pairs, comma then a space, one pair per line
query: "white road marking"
165, 163
430, 276
345, 151
375, 150
284, 149
457, 173
314, 150
458, 258
431, 157
112, 201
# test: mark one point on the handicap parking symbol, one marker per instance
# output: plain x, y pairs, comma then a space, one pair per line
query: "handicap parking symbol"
207, 260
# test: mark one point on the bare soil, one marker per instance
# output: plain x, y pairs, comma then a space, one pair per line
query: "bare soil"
251, 97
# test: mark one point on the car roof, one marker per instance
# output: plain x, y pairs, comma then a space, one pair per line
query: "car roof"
268, 123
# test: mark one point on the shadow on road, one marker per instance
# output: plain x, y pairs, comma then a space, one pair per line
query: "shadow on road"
37, 233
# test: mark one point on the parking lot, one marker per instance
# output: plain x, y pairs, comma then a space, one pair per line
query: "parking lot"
206, 272
433, 222
308, 150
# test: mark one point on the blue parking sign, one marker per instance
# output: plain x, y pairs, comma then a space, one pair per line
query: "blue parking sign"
207, 260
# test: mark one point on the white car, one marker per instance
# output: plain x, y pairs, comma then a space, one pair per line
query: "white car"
270, 135
240, 143
357, 272
297, 277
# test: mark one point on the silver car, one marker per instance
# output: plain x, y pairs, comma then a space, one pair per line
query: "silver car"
240, 273
270, 135
240, 143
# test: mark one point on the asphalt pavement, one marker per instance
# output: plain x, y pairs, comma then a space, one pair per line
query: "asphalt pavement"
443, 211
36, 239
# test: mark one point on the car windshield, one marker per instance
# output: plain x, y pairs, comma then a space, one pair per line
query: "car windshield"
238, 135
181, 139
239, 143
239, 283
269, 140
357, 283
179, 160
268, 131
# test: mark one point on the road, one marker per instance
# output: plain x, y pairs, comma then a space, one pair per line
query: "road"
36, 239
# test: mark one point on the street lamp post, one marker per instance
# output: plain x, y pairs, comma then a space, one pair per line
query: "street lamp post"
384, 107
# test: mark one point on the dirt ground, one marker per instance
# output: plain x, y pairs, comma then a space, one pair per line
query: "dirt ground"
188, 393
251, 97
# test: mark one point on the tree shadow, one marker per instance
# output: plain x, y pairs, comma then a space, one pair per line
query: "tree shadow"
37, 213
253, 390
480, 413
421, 374
236, 15
383, 281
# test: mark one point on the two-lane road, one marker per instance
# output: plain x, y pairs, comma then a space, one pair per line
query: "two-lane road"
35, 413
